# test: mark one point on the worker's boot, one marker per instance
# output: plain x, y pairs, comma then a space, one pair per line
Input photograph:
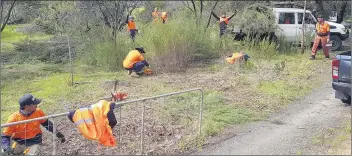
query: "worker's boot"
312, 57
129, 72
327, 57
134, 74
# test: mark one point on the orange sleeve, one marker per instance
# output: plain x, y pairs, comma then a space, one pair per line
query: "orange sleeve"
327, 27
9, 131
41, 114
141, 57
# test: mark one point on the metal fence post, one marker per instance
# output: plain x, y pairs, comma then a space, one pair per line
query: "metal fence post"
54, 132
201, 112
120, 127
142, 131
70, 56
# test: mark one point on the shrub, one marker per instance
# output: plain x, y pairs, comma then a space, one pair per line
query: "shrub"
104, 55
172, 46
257, 19
54, 52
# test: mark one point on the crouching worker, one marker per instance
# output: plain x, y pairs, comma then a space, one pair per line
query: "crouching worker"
135, 62
237, 57
96, 122
27, 136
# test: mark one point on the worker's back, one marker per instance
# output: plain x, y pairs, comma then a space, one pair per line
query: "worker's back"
132, 57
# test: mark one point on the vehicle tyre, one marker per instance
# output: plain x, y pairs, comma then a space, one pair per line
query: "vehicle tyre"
336, 42
348, 101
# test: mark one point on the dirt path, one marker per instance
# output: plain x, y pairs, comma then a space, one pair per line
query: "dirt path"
289, 132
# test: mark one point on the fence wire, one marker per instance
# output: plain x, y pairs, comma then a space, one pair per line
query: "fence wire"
155, 125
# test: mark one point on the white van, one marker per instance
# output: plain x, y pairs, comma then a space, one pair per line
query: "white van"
289, 21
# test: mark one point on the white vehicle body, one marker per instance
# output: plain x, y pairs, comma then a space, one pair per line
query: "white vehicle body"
289, 21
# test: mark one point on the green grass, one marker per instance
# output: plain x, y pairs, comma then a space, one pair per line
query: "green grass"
51, 82
55, 90
336, 140
9, 36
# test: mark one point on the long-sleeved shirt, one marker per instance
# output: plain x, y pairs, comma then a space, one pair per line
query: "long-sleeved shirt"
32, 135
223, 23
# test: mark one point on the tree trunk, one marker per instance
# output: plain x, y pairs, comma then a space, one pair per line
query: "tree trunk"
7, 16
194, 8
210, 13
319, 7
341, 12
201, 7
303, 27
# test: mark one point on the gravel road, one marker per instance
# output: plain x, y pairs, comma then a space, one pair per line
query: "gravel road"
290, 131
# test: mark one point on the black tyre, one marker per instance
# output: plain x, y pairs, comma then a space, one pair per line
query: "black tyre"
348, 101
336, 42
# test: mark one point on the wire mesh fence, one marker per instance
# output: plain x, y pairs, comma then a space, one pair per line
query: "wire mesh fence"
144, 126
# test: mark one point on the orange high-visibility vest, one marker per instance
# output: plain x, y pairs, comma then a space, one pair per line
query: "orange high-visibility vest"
132, 57
131, 25
155, 14
164, 15
322, 28
93, 123
226, 20
234, 58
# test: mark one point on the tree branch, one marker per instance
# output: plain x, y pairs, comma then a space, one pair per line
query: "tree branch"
187, 6
106, 19
7, 16
2, 8
194, 7
210, 13
341, 12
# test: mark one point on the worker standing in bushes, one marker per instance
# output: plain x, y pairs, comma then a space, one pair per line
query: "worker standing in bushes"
223, 21
164, 16
27, 136
131, 26
155, 15
135, 62
322, 30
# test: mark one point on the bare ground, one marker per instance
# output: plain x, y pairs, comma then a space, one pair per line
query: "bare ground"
290, 132
164, 133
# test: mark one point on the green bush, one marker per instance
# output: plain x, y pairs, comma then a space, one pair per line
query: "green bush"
52, 52
47, 26
257, 19
172, 46
104, 55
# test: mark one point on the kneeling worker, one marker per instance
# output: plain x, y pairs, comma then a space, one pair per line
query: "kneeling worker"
27, 136
237, 57
135, 62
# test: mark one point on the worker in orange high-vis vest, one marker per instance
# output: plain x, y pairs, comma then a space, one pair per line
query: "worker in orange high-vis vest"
27, 136
237, 57
322, 30
96, 122
223, 21
131, 27
135, 62
164, 17
155, 15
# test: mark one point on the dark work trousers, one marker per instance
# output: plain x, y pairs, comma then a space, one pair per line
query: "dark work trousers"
222, 32
133, 34
137, 67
